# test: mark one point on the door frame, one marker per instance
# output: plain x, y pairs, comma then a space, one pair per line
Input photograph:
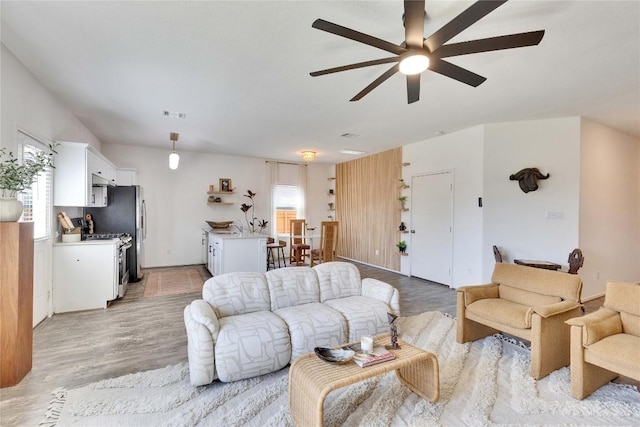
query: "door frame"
411, 233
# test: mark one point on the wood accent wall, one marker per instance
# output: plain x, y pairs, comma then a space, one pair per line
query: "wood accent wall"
368, 209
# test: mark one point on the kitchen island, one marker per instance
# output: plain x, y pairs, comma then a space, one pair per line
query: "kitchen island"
231, 251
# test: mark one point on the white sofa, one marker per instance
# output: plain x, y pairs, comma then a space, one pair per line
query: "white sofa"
250, 324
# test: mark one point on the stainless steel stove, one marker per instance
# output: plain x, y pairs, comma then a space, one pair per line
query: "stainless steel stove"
124, 242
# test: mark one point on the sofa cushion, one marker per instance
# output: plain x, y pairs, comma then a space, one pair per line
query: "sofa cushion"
502, 311
521, 296
251, 344
237, 293
365, 316
630, 324
621, 350
623, 297
545, 282
292, 286
338, 280
313, 325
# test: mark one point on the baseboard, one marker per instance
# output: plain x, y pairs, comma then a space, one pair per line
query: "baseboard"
371, 265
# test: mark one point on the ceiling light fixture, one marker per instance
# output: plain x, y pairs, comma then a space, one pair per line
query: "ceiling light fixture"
414, 63
308, 156
174, 158
352, 152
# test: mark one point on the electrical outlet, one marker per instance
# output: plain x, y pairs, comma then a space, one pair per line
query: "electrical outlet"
555, 215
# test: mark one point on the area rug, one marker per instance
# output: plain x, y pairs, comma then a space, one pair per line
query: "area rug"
483, 383
172, 282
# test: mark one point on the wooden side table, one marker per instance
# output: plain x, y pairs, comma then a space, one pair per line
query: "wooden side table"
312, 379
16, 301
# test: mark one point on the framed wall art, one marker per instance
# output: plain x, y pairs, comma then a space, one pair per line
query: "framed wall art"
225, 184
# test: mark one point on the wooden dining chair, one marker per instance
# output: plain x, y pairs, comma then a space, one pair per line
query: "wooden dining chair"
326, 251
298, 246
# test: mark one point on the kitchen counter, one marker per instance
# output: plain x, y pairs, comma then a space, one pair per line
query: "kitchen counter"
87, 242
234, 234
229, 251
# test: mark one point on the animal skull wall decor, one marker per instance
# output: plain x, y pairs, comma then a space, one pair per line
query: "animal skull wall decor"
528, 178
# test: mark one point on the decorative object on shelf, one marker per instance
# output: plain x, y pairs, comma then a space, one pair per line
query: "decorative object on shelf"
528, 178
402, 246
15, 177
403, 200
225, 185
393, 332
308, 156
174, 158
331, 205
331, 191
211, 188
402, 227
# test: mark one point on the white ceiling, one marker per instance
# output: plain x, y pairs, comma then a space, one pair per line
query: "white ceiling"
240, 71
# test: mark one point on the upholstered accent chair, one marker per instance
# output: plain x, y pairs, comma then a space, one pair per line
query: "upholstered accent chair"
529, 303
606, 343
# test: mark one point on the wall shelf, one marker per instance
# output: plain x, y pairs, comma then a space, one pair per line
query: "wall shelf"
403, 253
211, 194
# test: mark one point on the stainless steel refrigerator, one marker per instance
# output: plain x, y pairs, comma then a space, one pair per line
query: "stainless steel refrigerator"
124, 213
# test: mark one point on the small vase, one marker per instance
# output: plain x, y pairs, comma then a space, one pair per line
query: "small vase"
10, 209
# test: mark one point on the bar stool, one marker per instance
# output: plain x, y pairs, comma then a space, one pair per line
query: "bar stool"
279, 247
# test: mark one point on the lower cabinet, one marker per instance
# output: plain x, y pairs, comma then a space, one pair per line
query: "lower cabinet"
85, 276
236, 254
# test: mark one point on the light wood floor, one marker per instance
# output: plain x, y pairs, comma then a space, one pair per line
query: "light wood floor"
137, 334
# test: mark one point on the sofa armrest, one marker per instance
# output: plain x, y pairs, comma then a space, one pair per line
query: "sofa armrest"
598, 325
475, 293
556, 308
202, 328
382, 291
202, 313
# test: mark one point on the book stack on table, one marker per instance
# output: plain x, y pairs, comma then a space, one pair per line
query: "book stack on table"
364, 359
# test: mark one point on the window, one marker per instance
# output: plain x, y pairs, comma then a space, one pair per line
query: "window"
37, 200
287, 202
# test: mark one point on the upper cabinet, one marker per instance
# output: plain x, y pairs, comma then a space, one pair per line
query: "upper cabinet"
78, 168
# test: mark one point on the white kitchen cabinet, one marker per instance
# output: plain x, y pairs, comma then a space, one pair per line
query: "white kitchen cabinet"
78, 166
85, 275
237, 253
126, 177
98, 197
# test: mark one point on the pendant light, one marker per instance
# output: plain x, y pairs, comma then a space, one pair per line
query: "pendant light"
174, 158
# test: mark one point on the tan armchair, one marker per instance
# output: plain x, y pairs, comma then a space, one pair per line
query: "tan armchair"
606, 343
529, 303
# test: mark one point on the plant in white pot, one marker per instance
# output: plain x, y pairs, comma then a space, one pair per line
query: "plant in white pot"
16, 177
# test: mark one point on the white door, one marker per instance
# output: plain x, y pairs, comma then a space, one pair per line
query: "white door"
42, 273
431, 227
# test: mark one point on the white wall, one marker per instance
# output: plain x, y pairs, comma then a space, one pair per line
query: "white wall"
516, 221
461, 152
27, 105
177, 199
609, 207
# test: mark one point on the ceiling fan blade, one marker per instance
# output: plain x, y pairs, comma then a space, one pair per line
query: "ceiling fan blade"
413, 88
348, 33
354, 66
510, 41
457, 73
377, 82
414, 23
461, 22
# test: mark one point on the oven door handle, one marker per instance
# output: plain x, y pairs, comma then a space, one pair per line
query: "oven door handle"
127, 246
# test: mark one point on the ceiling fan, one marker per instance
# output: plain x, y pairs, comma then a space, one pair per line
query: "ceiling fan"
418, 54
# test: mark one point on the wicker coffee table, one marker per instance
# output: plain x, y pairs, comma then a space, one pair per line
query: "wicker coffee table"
312, 379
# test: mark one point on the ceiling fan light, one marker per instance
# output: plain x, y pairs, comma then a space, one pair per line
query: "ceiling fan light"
308, 156
414, 64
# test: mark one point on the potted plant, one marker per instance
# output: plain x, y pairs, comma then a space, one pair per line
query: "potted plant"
402, 246
402, 226
403, 200
16, 177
